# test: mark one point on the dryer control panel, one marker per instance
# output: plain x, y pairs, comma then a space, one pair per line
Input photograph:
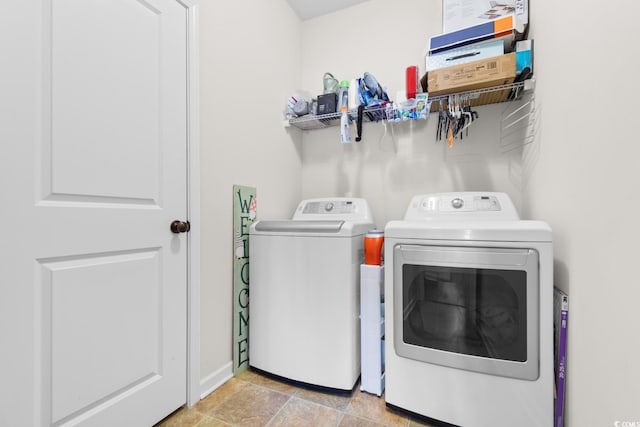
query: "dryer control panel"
462, 203
456, 205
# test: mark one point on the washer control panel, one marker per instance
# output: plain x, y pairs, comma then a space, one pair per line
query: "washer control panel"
330, 207
337, 208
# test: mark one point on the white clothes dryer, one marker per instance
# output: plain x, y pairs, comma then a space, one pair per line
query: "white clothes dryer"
469, 312
304, 315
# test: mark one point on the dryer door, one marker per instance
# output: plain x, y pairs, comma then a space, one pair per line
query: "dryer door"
468, 308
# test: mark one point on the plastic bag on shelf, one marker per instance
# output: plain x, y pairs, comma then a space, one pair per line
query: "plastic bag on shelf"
299, 104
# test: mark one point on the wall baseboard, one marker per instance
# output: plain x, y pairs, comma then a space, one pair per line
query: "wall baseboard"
214, 380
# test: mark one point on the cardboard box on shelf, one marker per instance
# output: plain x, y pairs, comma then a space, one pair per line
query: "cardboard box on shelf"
485, 73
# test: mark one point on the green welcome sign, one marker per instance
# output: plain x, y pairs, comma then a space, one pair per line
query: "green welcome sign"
244, 214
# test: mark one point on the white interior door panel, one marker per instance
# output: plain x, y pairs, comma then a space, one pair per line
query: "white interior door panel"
95, 284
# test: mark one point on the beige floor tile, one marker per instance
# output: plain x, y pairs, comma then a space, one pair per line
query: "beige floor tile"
272, 383
219, 395
416, 422
371, 407
208, 421
252, 405
184, 417
302, 413
256, 399
353, 421
336, 400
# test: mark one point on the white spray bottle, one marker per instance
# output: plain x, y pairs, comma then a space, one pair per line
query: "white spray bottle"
343, 101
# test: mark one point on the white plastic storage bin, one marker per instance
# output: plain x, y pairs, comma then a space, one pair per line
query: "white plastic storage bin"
372, 328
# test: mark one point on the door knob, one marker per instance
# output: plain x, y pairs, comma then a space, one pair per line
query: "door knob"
180, 226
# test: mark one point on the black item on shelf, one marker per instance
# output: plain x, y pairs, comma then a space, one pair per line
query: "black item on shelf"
327, 103
423, 82
524, 75
359, 122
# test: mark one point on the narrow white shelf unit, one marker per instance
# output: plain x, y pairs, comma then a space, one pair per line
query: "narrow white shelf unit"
372, 329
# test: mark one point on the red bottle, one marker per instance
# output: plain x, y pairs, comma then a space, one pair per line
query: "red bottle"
412, 81
373, 246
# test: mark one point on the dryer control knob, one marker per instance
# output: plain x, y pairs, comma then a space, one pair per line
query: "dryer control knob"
328, 207
457, 203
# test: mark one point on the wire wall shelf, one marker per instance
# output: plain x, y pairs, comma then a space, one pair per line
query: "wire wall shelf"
309, 122
477, 97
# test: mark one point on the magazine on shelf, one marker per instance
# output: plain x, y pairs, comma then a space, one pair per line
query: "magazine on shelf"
509, 29
560, 323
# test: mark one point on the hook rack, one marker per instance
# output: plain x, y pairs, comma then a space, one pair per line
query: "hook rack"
485, 96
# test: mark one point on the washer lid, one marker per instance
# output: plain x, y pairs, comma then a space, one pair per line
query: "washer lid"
299, 226
330, 217
311, 228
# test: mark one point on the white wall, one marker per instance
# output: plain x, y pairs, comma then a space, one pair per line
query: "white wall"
579, 174
250, 60
585, 185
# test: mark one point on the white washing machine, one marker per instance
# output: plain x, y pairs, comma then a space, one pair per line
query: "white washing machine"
469, 312
304, 294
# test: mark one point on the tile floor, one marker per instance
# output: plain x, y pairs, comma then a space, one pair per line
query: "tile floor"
257, 399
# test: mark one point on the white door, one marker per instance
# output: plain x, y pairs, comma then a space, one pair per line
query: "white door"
93, 136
